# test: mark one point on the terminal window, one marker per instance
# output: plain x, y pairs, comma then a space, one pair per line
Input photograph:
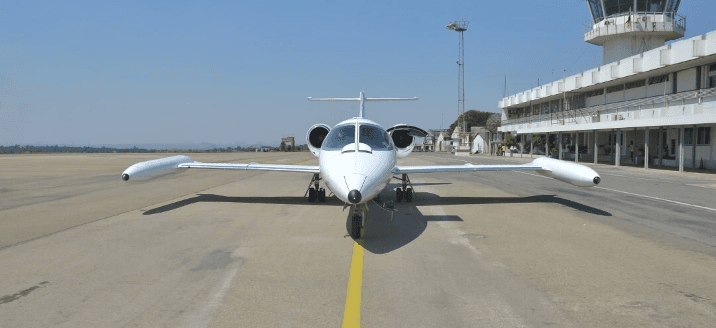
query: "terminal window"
658, 79
712, 76
703, 135
615, 88
635, 84
688, 136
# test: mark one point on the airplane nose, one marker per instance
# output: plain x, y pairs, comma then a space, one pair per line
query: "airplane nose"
354, 196
597, 180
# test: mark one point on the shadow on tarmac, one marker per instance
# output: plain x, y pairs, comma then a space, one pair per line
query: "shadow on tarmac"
211, 198
386, 231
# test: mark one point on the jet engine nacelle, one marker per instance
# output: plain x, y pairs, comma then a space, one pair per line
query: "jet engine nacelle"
404, 138
315, 136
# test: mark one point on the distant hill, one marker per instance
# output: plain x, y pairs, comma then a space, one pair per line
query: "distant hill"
474, 117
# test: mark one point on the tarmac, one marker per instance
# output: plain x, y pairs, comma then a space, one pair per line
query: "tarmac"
79, 247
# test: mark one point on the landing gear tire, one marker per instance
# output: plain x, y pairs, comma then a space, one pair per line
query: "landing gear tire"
398, 195
321, 193
408, 195
312, 195
356, 222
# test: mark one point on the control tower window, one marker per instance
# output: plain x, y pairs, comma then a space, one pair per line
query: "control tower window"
615, 7
673, 6
656, 5
596, 7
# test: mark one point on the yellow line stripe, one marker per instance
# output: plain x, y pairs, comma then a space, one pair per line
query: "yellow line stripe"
351, 314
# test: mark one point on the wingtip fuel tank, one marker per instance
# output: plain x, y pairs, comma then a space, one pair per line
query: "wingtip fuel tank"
154, 168
569, 172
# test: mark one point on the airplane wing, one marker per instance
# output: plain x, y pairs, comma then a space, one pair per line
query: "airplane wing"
157, 167
462, 168
252, 166
572, 173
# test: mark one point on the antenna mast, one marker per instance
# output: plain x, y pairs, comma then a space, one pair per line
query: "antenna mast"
460, 27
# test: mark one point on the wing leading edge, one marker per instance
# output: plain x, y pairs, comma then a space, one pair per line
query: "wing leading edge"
158, 167
572, 173
463, 168
252, 166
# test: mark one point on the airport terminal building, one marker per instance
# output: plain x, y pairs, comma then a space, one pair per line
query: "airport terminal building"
650, 103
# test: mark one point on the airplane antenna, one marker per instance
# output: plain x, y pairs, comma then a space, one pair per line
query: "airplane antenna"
360, 99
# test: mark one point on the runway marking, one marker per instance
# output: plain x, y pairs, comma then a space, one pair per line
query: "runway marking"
351, 314
661, 199
203, 319
645, 196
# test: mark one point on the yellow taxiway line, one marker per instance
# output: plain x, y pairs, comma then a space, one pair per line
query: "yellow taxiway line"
351, 314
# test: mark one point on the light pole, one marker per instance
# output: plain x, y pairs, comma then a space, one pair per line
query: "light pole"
460, 27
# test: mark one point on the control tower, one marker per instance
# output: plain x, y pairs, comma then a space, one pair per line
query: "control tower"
629, 27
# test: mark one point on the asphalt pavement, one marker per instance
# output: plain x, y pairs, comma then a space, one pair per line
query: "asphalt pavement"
79, 247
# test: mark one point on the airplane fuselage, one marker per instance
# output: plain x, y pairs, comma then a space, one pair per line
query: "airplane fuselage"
367, 170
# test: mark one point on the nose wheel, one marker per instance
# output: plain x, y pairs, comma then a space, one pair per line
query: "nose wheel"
404, 192
358, 221
315, 193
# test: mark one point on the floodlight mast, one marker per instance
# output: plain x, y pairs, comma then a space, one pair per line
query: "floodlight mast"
460, 27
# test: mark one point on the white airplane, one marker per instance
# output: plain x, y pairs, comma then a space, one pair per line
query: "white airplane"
358, 159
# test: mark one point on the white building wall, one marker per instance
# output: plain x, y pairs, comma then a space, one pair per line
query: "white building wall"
638, 107
676, 52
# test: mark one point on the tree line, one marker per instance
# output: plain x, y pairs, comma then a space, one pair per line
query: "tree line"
29, 149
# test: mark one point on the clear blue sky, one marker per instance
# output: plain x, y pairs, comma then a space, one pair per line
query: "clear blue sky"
100, 72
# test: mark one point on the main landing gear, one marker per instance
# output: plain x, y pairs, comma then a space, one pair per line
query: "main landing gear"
405, 192
315, 193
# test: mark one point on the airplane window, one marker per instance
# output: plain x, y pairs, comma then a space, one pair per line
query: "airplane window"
339, 137
374, 137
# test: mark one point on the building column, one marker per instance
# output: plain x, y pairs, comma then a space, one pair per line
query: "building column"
646, 148
522, 144
681, 149
634, 149
576, 148
489, 143
618, 147
660, 147
532, 144
546, 145
596, 145
693, 147
559, 140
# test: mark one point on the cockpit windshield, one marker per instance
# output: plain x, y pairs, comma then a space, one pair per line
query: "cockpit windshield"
375, 137
371, 135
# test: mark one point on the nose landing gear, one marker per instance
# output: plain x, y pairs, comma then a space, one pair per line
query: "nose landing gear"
358, 220
315, 193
